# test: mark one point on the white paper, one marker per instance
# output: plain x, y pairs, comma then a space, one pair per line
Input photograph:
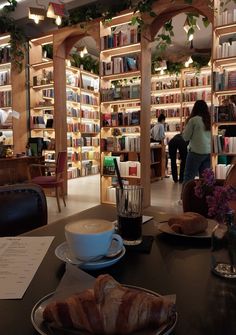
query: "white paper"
20, 258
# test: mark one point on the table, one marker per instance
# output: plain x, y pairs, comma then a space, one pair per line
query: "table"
206, 304
15, 169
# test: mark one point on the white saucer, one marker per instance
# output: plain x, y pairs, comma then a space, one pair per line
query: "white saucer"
63, 253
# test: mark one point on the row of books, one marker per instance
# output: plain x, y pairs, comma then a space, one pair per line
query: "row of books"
226, 16
120, 65
172, 126
72, 96
5, 77
225, 80
224, 144
89, 128
120, 93
46, 77
88, 169
48, 93
199, 95
161, 85
5, 99
226, 49
224, 113
73, 112
120, 119
126, 168
123, 143
166, 99
82, 141
75, 156
221, 170
168, 112
41, 122
89, 99
5, 55
120, 36
90, 114
201, 80
72, 79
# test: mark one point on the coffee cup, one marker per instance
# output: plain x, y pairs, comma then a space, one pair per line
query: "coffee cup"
91, 239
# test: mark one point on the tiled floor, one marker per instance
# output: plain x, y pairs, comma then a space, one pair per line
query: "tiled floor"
84, 193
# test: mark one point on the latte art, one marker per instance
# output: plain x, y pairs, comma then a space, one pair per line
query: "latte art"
90, 227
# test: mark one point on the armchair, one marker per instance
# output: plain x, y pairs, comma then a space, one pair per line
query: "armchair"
23, 207
51, 176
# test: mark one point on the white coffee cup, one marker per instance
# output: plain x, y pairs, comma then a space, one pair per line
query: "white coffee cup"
91, 238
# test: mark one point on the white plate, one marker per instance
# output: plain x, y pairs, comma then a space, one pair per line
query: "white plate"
165, 228
43, 329
63, 253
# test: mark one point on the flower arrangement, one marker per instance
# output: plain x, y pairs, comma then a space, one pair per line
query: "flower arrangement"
217, 197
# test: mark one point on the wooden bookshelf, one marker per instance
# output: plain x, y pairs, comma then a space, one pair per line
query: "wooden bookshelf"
224, 77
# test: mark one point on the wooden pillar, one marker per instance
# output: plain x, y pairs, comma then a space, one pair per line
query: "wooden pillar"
145, 115
20, 129
60, 101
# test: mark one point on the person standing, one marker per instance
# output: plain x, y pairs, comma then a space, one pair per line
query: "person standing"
198, 132
157, 132
177, 144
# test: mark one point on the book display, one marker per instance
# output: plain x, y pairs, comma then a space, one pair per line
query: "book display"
224, 90
120, 104
6, 126
42, 96
83, 122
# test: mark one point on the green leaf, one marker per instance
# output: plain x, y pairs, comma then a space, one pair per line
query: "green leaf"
206, 22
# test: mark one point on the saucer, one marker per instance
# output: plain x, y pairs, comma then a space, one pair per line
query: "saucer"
63, 253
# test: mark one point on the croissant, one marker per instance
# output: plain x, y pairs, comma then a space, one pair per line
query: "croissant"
188, 223
110, 308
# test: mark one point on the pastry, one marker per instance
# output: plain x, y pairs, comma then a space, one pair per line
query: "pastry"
110, 308
188, 223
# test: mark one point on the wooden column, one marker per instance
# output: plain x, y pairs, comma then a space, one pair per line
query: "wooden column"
60, 101
20, 129
145, 115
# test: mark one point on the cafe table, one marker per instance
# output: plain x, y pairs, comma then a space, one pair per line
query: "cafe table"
205, 303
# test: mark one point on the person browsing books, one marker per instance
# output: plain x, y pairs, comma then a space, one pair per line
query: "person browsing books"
157, 132
198, 132
177, 144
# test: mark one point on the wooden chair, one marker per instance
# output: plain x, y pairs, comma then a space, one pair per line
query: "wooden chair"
51, 176
23, 207
191, 203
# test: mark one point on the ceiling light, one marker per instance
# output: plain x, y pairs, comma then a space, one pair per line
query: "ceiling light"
56, 11
190, 38
186, 25
82, 51
36, 14
190, 60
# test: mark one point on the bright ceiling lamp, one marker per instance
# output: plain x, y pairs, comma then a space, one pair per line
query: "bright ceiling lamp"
82, 51
36, 14
56, 11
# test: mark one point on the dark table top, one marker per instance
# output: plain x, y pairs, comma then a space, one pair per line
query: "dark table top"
206, 304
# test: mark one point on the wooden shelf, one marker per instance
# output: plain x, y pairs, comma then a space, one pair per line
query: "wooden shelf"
225, 92
196, 88
42, 65
122, 75
43, 86
225, 29
224, 62
123, 50
116, 102
167, 90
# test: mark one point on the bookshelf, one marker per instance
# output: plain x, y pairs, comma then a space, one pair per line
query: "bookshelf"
120, 104
83, 122
42, 96
6, 127
224, 86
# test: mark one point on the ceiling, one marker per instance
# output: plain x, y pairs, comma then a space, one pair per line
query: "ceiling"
202, 37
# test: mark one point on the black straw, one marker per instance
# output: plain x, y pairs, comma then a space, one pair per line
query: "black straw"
118, 173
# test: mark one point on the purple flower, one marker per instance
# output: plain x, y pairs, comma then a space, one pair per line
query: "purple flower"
217, 197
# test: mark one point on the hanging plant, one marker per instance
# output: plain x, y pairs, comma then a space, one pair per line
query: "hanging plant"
88, 63
17, 36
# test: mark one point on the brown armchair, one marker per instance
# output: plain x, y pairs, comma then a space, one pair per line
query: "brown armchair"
191, 203
23, 207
